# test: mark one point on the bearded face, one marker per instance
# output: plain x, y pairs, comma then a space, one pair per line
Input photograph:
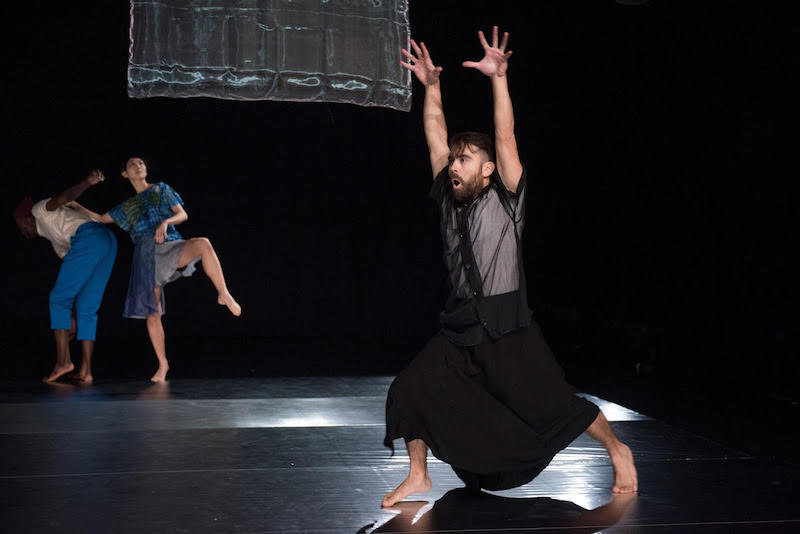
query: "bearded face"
466, 189
469, 173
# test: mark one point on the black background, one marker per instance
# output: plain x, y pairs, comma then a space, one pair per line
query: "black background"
661, 242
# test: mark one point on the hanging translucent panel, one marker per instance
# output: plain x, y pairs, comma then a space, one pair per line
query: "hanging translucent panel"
302, 50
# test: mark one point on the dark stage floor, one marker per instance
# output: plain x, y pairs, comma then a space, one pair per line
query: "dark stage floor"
305, 455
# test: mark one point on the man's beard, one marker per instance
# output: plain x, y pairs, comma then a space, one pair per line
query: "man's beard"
468, 190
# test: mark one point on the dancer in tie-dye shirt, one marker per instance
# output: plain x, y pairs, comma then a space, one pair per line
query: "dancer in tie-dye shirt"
160, 254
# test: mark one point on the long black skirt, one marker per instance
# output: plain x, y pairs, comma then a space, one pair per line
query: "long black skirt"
497, 413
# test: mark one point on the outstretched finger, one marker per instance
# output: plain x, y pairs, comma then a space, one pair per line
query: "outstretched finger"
504, 43
407, 53
470, 64
482, 39
494, 36
425, 53
417, 51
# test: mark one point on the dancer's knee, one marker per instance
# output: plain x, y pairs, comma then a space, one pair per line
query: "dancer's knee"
202, 244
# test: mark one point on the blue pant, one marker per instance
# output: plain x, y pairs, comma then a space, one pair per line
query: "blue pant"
82, 279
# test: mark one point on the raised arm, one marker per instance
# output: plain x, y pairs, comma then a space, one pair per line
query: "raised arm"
421, 64
74, 192
495, 65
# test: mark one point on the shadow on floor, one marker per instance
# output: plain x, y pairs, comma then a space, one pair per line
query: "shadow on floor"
461, 509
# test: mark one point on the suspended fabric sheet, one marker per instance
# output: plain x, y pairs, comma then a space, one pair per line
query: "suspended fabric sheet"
302, 50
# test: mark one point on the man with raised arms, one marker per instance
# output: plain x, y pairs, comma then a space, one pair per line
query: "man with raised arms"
485, 394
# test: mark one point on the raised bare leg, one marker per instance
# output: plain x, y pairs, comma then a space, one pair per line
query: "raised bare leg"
417, 480
63, 360
157, 337
625, 479
200, 246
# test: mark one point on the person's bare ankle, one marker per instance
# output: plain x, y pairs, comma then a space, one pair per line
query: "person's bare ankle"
415, 482
625, 475
226, 299
58, 371
161, 374
85, 379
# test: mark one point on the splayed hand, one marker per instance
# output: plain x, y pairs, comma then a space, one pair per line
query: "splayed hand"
495, 58
421, 64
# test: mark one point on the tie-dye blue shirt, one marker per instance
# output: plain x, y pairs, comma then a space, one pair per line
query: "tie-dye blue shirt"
142, 214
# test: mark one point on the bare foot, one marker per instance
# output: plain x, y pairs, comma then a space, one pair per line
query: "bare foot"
415, 484
80, 377
161, 374
625, 480
58, 371
226, 299
84, 380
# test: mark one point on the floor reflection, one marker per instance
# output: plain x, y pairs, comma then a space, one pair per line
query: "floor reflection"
460, 509
60, 389
156, 391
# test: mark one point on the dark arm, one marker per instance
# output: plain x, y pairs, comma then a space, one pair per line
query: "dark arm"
74, 192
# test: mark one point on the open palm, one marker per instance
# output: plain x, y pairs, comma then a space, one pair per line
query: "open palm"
421, 64
495, 58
